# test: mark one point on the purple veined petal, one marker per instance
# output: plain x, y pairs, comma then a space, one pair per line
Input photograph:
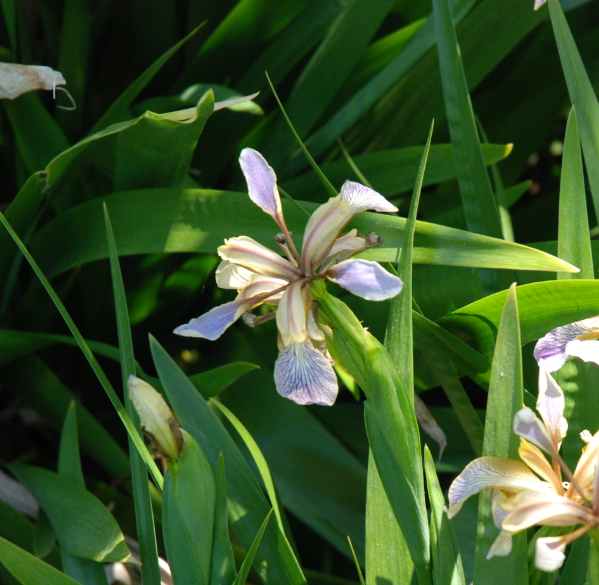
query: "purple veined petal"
291, 314
552, 348
530, 508
528, 425
361, 198
304, 375
214, 323
252, 255
485, 472
262, 183
231, 276
365, 279
322, 230
551, 404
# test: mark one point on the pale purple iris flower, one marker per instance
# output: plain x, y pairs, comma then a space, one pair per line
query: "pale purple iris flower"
303, 370
531, 492
579, 339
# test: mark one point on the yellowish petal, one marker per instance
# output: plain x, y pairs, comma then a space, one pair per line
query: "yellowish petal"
291, 314
534, 458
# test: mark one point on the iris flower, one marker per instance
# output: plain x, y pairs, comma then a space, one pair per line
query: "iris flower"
303, 370
579, 339
531, 492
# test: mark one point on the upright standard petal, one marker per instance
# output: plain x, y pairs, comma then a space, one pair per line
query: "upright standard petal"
485, 472
349, 245
291, 314
262, 183
361, 197
252, 255
304, 375
552, 347
365, 279
322, 230
214, 323
551, 404
528, 425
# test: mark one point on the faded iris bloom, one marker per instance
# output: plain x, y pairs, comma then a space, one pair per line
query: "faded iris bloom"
532, 492
579, 339
303, 370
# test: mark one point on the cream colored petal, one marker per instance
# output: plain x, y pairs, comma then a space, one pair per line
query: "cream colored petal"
231, 276
585, 469
157, 420
314, 331
17, 79
587, 350
429, 425
501, 547
494, 472
252, 255
534, 458
291, 314
530, 508
259, 284
549, 553
322, 230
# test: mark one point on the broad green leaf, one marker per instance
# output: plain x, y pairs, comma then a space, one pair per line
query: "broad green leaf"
480, 208
222, 564
574, 241
247, 562
582, 95
390, 421
30, 570
198, 220
505, 399
118, 111
251, 506
391, 172
144, 515
259, 460
445, 552
542, 306
39, 138
188, 514
83, 525
89, 356
388, 558
85, 571
157, 151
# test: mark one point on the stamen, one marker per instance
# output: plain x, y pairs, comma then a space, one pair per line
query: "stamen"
252, 320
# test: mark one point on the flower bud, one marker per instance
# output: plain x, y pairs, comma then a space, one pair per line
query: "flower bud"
157, 419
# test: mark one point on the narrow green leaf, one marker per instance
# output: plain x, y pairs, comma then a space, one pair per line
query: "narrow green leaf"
44, 537
144, 515
222, 565
259, 459
83, 525
582, 95
30, 570
85, 571
118, 111
505, 399
188, 515
575, 569
574, 240
593, 574
358, 569
388, 558
213, 382
196, 416
398, 337
448, 566
478, 200
10, 20
247, 562
90, 357
325, 182
189, 220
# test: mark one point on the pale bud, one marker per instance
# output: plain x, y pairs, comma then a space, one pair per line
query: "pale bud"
157, 419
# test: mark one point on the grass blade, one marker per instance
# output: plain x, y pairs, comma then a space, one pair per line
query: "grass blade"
118, 405
144, 515
249, 559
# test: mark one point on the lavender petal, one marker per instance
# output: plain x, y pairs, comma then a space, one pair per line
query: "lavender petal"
361, 197
365, 279
552, 348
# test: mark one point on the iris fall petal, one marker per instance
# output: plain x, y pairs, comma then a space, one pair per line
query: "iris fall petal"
365, 279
